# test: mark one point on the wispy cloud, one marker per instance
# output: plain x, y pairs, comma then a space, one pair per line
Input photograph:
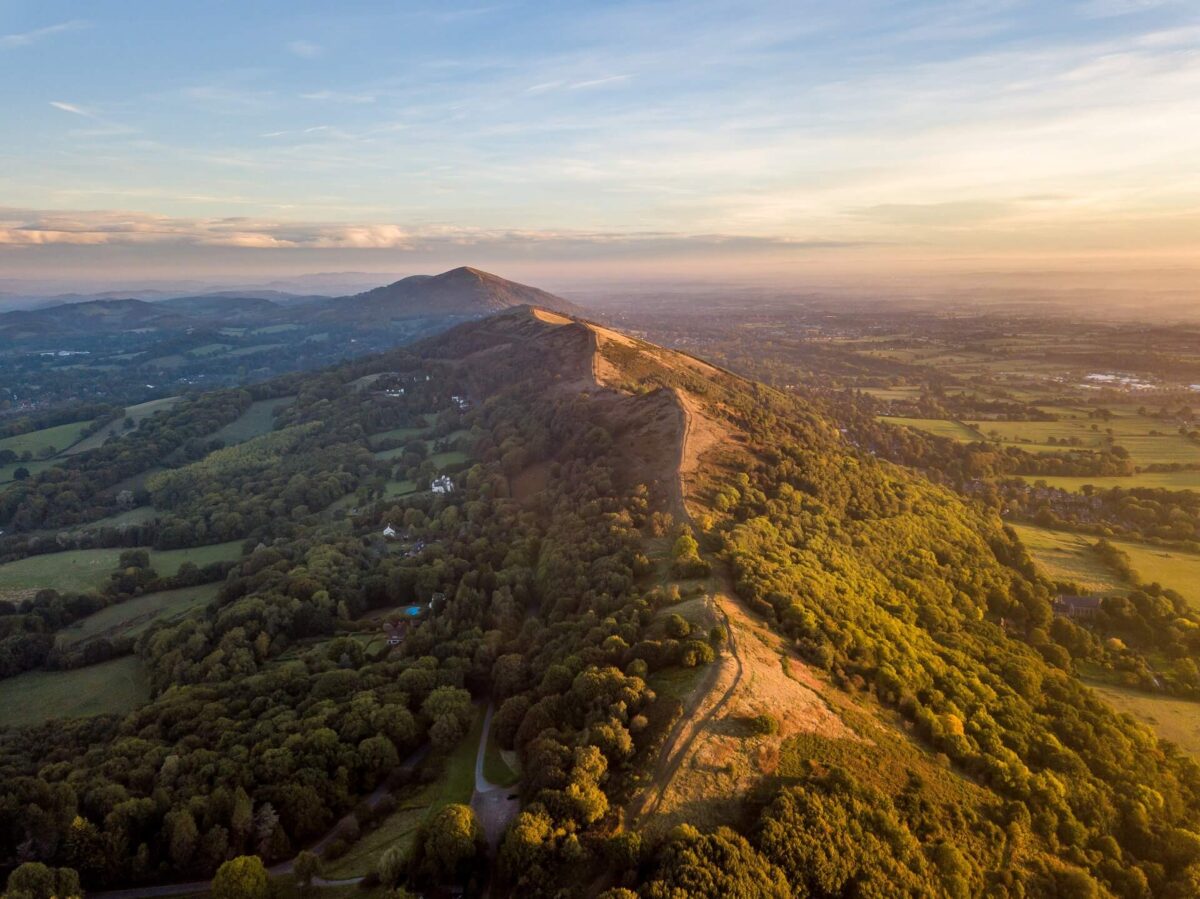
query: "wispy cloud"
27, 38
1102, 9
598, 82
226, 98
305, 49
72, 108
28, 228
338, 97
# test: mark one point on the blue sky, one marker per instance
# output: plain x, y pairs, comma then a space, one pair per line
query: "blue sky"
140, 137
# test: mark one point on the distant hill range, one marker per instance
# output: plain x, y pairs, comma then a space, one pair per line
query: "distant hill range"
459, 294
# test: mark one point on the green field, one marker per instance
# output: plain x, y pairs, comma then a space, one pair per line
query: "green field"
259, 419
1170, 567
893, 394
6, 471
87, 569
396, 434
140, 515
939, 427
394, 489
1163, 480
137, 413
1066, 556
456, 784
450, 457
210, 349
37, 442
1149, 441
257, 348
275, 329
110, 687
130, 618
1177, 720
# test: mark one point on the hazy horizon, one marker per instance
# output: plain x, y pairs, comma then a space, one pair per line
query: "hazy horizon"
781, 143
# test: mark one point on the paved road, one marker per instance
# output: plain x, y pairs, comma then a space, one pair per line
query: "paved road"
495, 806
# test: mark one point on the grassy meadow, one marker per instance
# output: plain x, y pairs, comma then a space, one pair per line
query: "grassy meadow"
939, 427
1177, 720
110, 687
1067, 556
131, 617
259, 419
88, 569
137, 413
38, 443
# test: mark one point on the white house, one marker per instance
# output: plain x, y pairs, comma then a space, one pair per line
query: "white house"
389, 532
442, 484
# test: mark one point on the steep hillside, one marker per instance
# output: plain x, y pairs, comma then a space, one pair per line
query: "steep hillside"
729, 652
886, 647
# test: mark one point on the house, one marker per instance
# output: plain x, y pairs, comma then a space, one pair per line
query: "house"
394, 631
442, 484
389, 532
462, 402
1077, 606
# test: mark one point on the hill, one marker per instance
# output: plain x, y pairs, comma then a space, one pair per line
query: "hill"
460, 292
730, 652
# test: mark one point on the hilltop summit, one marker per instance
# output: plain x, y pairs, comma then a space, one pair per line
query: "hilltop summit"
462, 291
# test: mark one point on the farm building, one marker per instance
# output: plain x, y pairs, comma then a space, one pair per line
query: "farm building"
1077, 606
442, 484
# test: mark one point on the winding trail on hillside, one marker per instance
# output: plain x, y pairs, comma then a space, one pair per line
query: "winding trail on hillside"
677, 747
682, 737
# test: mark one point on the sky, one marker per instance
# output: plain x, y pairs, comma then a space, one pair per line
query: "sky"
749, 137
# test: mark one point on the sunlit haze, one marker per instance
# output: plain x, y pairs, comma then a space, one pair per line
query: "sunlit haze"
861, 140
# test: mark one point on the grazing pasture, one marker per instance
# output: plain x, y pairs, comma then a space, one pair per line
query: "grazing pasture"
1172, 568
82, 570
137, 414
7, 471
259, 419
1159, 480
131, 617
111, 687
939, 427
40, 442
1066, 556
1177, 720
